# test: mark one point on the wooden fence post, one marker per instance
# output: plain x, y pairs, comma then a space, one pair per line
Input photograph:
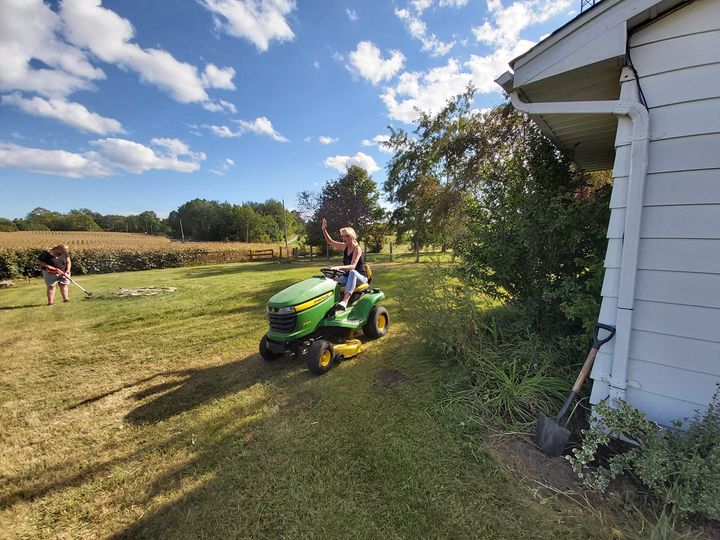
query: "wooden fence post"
391, 256
311, 255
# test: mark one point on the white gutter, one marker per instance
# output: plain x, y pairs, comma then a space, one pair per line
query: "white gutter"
640, 118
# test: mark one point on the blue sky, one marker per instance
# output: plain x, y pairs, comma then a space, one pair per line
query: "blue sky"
122, 106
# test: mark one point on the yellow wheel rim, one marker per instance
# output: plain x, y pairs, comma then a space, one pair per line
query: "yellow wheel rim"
325, 358
382, 321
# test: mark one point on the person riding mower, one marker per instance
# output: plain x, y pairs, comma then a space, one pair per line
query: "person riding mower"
305, 319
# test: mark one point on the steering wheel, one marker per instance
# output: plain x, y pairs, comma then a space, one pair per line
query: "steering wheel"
331, 273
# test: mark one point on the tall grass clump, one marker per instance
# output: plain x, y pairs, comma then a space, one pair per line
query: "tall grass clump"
511, 373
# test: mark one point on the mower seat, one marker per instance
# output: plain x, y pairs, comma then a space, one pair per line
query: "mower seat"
362, 286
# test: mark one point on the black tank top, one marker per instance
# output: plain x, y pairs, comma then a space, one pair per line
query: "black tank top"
347, 259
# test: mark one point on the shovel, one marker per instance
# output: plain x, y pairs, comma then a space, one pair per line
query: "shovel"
550, 436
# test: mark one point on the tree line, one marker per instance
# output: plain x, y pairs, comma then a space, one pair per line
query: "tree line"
199, 220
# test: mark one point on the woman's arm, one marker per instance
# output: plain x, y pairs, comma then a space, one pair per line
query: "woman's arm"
69, 265
328, 239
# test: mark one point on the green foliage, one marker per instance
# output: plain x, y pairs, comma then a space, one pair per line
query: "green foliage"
15, 263
511, 374
351, 200
431, 173
681, 469
376, 236
7, 225
204, 220
536, 231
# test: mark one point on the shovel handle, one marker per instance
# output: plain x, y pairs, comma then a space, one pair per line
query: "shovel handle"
597, 343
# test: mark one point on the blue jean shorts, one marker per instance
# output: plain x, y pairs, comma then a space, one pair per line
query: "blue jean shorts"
52, 279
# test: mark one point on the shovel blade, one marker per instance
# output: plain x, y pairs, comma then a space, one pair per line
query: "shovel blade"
550, 437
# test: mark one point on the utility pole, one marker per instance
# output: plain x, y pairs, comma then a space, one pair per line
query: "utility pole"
287, 251
182, 233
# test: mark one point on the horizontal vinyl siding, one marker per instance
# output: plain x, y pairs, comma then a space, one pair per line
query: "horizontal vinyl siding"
664, 410
674, 357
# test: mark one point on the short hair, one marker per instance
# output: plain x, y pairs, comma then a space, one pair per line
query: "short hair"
350, 232
62, 248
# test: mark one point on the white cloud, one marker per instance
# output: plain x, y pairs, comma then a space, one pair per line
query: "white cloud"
113, 154
341, 163
258, 22
137, 158
73, 114
421, 5
454, 3
380, 141
223, 131
219, 106
259, 126
215, 77
425, 91
316, 64
352, 15
504, 30
109, 37
55, 162
429, 91
485, 69
418, 30
29, 30
326, 140
224, 167
307, 139
368, 62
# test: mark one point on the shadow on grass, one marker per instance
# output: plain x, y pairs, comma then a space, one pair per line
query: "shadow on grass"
195, 387
6, 308
239, 268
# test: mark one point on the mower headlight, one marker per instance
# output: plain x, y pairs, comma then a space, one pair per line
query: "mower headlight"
284, 310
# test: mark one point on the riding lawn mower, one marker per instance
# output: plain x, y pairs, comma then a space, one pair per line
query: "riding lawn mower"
306, 321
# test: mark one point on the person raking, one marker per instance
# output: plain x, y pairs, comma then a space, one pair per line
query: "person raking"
55, 262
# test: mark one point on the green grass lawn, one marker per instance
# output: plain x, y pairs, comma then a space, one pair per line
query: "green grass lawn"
154, 417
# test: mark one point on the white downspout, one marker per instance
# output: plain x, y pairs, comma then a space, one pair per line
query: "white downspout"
640, 118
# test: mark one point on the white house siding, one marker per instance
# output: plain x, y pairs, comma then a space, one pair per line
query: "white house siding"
674, 361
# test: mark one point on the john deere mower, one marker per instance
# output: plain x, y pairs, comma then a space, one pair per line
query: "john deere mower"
305, 320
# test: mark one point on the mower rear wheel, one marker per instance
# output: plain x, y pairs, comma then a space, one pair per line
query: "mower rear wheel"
265, 351
378, 323
320, 357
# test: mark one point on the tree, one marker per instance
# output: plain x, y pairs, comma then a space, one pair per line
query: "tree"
536, 225
350, 200
430, 173
7, 225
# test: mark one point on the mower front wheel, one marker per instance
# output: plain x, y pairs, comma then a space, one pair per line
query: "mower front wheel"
320, 357
265, 351
377, 324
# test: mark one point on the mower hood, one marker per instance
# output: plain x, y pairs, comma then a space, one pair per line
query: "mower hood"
302, 292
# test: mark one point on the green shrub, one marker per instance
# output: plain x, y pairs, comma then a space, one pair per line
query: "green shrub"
511, 373
679, 468
15, 263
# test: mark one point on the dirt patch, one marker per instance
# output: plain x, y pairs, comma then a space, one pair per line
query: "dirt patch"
302, 402
386, 378
144, 291
523, 458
